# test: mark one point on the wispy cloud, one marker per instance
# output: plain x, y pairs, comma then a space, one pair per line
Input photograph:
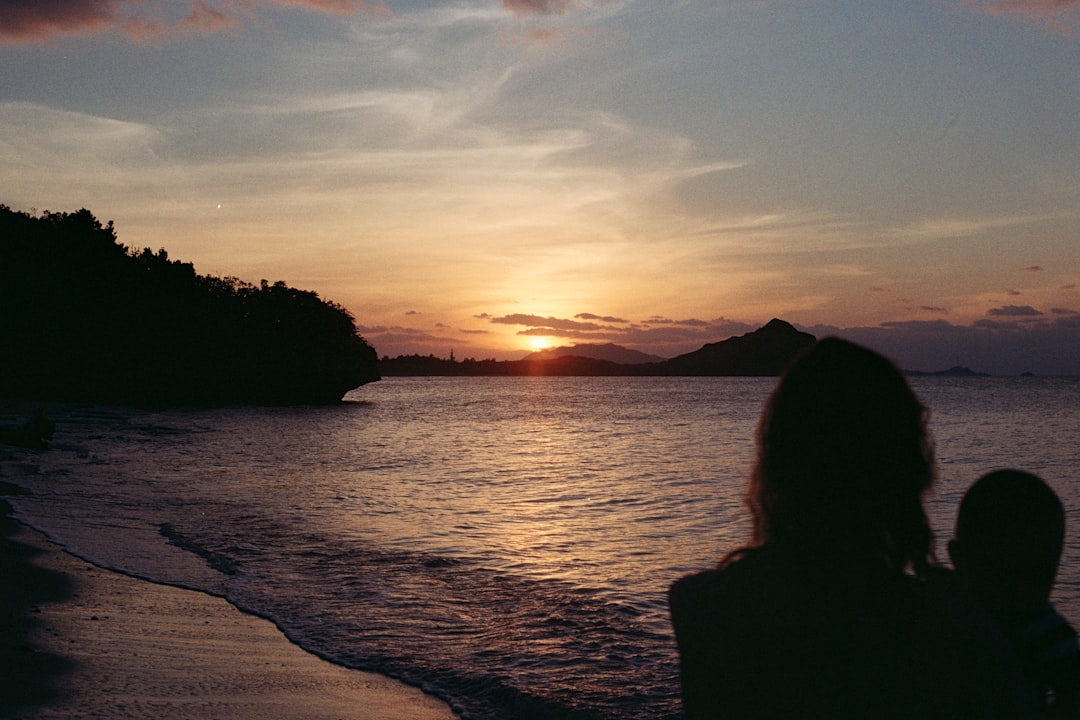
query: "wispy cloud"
402, 340
344, 7
1014, 311
537, 7
49, 145
958, 227
536, 323
1059, 16
606, 318
28, 21
657, 335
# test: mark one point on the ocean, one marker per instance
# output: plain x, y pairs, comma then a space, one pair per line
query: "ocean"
504, 543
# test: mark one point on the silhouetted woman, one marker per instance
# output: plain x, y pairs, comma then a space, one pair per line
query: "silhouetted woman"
825, 612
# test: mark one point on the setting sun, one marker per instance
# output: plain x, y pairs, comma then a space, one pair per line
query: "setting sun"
540, 343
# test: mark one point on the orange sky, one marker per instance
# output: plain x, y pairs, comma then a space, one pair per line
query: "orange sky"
477, 174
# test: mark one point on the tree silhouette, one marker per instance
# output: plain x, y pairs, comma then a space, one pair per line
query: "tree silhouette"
85, 318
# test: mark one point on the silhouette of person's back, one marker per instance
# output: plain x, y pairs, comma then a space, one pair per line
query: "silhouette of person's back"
824, 613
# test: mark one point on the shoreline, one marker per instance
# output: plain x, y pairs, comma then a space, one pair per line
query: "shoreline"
78, 640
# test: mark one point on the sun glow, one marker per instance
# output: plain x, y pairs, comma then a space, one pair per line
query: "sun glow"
540, 343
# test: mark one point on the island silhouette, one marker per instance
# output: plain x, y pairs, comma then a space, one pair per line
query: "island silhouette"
605, 351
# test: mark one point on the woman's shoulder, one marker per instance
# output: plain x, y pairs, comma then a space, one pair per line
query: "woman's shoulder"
743, 582
761, 570
898, 643
733, 570
767, 583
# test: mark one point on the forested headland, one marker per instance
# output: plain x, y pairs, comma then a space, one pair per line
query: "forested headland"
82, 317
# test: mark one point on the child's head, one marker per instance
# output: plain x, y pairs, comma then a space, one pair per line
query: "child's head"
1009, 534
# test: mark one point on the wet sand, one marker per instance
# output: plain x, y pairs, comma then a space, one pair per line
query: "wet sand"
77, 641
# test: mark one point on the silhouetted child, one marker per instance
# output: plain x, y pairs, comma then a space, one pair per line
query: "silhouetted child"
1009, 534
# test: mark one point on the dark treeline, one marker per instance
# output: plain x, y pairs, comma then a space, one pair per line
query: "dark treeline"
83, 317
419, 365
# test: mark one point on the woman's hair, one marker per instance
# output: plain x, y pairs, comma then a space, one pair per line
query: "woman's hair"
843, 461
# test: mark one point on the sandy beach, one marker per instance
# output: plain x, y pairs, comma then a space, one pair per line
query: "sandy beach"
77, 641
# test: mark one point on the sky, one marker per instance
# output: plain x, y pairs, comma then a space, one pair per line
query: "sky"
495, 176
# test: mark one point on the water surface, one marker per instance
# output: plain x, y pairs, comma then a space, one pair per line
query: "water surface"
505, 543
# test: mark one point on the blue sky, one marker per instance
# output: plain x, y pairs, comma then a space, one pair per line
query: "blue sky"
486, 176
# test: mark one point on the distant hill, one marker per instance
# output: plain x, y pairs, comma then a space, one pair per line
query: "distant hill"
765, 352
607, 351
955, 371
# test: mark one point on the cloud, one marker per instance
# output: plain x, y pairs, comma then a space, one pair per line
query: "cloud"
1014, 311
537, 7
1045, 346
206, 19
49, 148
658, 335
396, 340
545, 22
27, 21
538, 325
1058, 16
1035, 8
669, 338
658, 320
1033, 268
607, 319
996, 325
342, 7
535, 322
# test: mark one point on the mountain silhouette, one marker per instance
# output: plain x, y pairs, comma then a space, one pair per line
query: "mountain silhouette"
607, 351
955, 371
765, 351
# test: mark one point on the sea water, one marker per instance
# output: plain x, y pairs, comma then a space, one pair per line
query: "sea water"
504, 543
